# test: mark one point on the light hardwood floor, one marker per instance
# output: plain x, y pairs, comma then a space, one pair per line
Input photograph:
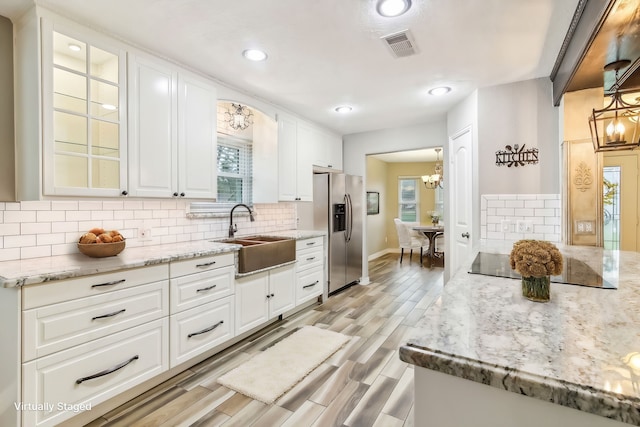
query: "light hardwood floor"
363, 384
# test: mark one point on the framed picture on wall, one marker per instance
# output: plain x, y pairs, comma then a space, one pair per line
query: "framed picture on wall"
373, 203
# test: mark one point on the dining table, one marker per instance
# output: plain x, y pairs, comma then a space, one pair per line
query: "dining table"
430, 232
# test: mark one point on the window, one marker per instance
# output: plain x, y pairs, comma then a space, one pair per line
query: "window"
234, 171
408, 199
234, 176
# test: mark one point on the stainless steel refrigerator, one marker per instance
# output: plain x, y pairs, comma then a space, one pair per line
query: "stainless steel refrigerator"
337, 209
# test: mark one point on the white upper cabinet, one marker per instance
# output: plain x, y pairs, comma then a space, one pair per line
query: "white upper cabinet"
328, 150
84, 114
295, 159
197, 152
153, 132
172, 131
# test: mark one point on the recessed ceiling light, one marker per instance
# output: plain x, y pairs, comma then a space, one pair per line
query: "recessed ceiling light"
391, 8
439, 90
254, 55
109, 107
74, 47
343, 109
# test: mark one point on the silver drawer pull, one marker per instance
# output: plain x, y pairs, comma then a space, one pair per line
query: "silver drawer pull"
115, 282
311, 243
311, 285
110, 314
206, 264
204, 331
107, 371
206, 289
311, 258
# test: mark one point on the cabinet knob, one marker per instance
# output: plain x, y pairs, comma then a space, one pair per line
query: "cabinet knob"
124, 192
181, 194
175, 194
330, 166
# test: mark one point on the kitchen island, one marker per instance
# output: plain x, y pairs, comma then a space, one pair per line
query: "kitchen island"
486, 356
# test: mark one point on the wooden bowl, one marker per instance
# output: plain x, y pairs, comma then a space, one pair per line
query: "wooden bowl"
101, 250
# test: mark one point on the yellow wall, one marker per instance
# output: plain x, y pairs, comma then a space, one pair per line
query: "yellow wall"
427, 199
377, 181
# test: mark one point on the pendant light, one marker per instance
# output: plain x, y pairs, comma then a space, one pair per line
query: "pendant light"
615, 127
434, 181
240, 118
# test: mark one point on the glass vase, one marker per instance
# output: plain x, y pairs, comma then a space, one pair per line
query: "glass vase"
536, 288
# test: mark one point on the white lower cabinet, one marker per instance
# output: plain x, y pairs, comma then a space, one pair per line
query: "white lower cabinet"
202, 309
201, 328
263, 296
85, 375
88, 339
59, 326
309, 269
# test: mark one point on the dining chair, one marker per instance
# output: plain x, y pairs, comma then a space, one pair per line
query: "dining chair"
408, 241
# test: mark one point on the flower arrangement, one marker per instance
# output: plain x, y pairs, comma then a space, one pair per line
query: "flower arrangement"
535, 258
435, 217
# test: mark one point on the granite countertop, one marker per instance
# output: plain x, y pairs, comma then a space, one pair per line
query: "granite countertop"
39, 270
580, 350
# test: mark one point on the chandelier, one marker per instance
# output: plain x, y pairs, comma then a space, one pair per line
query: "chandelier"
435, 180
615, 127
240, 118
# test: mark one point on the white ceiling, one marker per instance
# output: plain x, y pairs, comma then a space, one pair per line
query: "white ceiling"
326, 53
425, 155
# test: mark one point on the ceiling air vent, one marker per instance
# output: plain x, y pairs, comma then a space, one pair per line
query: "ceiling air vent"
401, 44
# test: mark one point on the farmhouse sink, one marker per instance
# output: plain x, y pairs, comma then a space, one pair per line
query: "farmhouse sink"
259, 252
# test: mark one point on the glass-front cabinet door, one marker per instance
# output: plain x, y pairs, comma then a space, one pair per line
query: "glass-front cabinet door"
83, 119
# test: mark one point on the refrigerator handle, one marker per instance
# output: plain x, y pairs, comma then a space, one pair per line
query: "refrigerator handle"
350, 216
348, 213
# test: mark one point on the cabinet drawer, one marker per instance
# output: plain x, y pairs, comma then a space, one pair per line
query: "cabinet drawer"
80, 287
309, 285
59, 326
62, 378
197, 289
309, 258
309, 243
197, 265
200, 329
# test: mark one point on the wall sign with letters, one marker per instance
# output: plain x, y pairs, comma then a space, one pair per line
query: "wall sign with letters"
516, 156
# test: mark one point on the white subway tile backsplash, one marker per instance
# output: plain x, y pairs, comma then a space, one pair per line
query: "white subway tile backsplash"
523, 212
545, 212
35, 252
505, 212
78, 215
42, 228
531, 204
19, 216
19, 241
89, 206
552, 203
35, 228
9, 254
514, 204
50, 216
64, 205
35, 206
541, 210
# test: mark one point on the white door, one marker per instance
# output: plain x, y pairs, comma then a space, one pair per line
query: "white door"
287, 137
460, 196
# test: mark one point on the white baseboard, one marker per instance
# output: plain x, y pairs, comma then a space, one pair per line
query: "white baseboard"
383, 252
